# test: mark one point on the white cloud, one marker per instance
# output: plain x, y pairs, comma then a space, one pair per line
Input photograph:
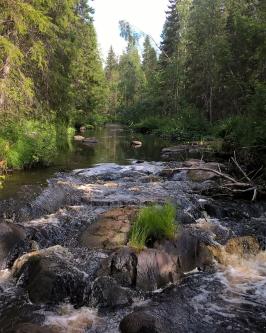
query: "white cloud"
146, 15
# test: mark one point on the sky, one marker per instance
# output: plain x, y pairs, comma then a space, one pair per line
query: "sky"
146, 15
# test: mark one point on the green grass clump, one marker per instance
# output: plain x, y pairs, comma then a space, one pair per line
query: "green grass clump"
153, 223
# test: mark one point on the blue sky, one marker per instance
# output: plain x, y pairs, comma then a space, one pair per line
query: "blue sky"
147, 15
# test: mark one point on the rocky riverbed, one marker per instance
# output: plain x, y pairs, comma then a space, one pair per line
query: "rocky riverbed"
66, 265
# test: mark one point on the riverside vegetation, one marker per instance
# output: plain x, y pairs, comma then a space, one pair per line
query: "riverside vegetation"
153, 223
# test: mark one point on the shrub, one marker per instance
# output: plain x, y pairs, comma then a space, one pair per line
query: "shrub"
30, 142
153, 223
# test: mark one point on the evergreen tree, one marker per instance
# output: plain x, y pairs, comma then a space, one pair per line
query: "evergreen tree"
168, 64
112, 77
149, 63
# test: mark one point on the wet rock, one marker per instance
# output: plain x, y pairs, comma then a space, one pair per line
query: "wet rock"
12, 243
51, 276
33, 328
143, 322
148, 270
79, 138
90, 141
107, 293
111, 230
122, 266
239, 247
243, 246
183, 152
202, 175
188, 251
155, 269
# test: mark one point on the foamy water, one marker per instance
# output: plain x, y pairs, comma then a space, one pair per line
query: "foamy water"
242, 288
70, 320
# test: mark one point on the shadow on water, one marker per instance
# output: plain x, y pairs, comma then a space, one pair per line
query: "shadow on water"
113, 146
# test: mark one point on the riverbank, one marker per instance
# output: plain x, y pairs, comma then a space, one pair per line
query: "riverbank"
79, 272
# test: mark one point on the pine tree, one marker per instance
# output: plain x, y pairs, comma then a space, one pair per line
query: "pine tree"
112, 77
168, 62
149, 63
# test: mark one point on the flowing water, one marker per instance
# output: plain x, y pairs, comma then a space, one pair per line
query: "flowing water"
113, 146
229, 298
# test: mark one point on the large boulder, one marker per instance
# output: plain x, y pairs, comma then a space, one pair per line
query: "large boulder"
148, 270
51, 276
155, 269
143, 322
111, 230
122, 266
188, 251
12, 243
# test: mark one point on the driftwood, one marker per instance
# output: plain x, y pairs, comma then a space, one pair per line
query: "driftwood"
234, 186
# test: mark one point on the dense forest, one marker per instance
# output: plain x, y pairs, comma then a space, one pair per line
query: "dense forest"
51, 76
206, 78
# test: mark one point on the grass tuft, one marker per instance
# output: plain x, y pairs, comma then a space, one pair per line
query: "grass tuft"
153, 223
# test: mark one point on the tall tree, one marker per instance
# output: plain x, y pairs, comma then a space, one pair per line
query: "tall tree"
112, 77
149, 62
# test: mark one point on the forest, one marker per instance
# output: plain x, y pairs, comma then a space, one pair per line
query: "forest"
205, 79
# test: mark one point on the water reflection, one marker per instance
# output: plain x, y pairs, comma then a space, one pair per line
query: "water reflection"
114, 145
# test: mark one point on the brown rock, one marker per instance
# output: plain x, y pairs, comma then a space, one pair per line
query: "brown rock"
235, 249
111, 230
155, 269
243, 246
188, 251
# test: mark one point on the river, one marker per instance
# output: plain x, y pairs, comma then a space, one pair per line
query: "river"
66, 266
113, 147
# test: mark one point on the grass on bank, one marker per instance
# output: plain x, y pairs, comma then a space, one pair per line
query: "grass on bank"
153, 223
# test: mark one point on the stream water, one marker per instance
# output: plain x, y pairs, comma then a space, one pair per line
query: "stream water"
113, 146
55, 207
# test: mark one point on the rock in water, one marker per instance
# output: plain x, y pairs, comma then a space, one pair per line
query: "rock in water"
50, 276
143, 322
107, 293
155, 269
111, 230
136, 143
12, 243
79, 138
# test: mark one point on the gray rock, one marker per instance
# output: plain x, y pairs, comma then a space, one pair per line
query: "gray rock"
51, 276
143, 322
106, 292
12, 243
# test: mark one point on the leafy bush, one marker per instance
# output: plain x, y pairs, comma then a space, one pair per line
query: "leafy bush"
31, 143
153, 223
242, 130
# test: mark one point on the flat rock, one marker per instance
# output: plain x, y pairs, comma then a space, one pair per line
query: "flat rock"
111, 230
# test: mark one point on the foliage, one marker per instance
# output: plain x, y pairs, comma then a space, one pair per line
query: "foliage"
50, 70
29, 143
153, 223
210, 73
